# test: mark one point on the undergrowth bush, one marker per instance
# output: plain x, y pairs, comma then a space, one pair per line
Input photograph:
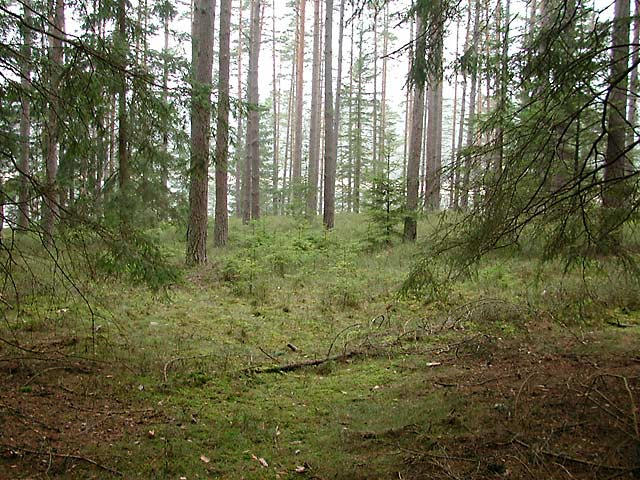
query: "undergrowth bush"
139, 258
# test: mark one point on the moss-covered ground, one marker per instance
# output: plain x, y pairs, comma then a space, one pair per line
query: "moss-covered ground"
521, 369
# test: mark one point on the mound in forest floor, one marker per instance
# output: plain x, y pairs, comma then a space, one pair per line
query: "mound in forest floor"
480, 407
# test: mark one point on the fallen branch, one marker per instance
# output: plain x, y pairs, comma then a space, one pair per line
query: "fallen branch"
581, 461
21, 450
306, 363
28, 418
46, 370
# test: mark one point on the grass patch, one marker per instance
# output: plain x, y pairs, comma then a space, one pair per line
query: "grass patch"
168, 383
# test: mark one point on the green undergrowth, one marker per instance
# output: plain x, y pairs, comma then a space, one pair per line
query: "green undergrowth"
284, 292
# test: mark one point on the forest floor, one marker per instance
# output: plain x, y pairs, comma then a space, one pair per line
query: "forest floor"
291, 356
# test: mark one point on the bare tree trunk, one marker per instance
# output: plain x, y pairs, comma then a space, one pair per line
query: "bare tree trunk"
633, 81
375, 91
464, 200
314, 130
350, 153
383, 106
297, 137
110, 167
452, 165
504, 83
221, 226
123, 133
329, 124
276, 119
358, 160
164, 180
336, 123
463, 104
415, 143
252, 211
202, 54
408, 102
287, 150
240, 186
51, 196
425, 137
434, 129
320, 113
25, 122
616, 162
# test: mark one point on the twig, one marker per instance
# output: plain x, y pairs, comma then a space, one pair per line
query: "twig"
338, 335
489, 380
41, 372
65, 455
268, 355
634, 409
178, 359
19, 414
525, 466
581, 461
515, 404
440, 456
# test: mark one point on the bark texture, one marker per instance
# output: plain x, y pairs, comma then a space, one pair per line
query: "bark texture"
415, 143
616, 156
221, 226
202, 58
329, 125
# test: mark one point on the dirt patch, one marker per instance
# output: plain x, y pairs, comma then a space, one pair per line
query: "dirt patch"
536, 415
58, 417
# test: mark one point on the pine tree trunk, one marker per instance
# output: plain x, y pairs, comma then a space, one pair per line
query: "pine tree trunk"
415, 143
504, 83
51, 197
164, 167
297, 137
383, 105
202, 59
358, 153
452, 165
314, 130
221, 226
123, 133
374, 158
329, 123
350, 117
633, 81
276, 120
252, 168
25, 122
239, 171
463, 104
467, 166
616, 162
338, 103
407, 108
434, 129
425, 138
287, 147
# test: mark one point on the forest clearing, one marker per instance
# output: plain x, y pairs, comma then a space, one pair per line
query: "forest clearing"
322, 239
